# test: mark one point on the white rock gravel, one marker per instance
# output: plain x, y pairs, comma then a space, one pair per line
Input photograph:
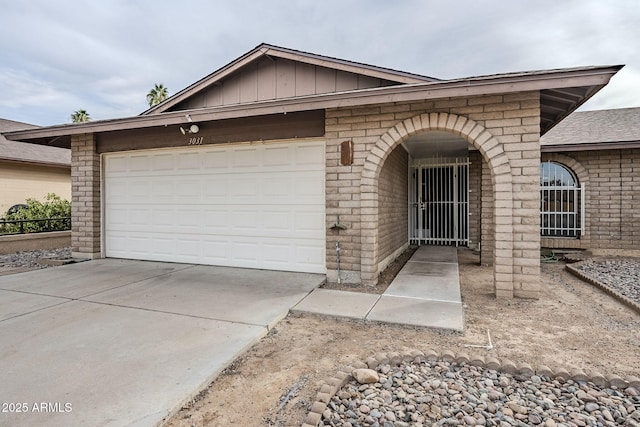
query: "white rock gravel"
447, 394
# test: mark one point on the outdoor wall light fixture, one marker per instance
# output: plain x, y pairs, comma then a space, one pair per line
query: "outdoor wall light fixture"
191, 129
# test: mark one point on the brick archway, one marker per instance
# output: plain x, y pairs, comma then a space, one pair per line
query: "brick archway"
569, 162
493, 153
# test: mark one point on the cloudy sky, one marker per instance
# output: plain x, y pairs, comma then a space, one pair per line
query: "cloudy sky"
58, 56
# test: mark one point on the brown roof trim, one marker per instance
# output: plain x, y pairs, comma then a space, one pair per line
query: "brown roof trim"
594, 146
596, 77
294, 55
36, 163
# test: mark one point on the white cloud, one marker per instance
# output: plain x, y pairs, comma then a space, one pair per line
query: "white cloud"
105, 56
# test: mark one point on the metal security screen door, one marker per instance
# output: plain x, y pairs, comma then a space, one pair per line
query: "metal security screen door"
439, 202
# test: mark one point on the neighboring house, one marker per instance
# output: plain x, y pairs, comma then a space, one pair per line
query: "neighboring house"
29, 170
591, 189
281, 157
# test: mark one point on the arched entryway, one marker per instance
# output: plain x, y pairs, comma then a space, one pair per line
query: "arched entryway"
493, 154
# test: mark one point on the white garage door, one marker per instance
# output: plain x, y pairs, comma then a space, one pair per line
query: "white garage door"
256, 206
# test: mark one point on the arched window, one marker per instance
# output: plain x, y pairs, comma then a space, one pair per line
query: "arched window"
560, 201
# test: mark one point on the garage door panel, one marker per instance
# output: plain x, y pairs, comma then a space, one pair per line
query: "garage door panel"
307, 255
128, 245
163, 218
188, 161
246, 252
276, 187
161, 162
259, 206
216, 160
278, 256
139, 217
310, 155
307, 223
162, 190
277, 222
117, 164
244, 221
245, 158
215, 220
188, 220
137, 189
216, 250
189, 249
139, 163
163, 247
244, 189
277, 157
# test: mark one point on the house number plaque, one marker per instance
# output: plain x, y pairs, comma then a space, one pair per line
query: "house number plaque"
195, 140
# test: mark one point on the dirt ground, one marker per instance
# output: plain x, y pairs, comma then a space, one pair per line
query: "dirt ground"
276, 381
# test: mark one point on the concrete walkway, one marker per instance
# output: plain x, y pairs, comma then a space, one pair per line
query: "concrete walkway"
122, 343
426, 292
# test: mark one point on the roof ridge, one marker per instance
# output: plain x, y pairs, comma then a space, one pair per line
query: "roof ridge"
347, 61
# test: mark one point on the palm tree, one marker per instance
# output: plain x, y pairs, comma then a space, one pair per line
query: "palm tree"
80, 116
157, 95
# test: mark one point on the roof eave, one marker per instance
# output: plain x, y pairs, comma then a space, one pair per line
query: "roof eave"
590, 146
36, 163
588, 77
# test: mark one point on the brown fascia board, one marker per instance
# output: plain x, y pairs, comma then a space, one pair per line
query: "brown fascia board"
590, 146
293, 55
36, 163
475, 86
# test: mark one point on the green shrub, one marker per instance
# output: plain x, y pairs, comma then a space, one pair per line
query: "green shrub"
53, 207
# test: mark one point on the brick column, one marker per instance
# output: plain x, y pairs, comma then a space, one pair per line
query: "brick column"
526, 219
487, 228
85, 197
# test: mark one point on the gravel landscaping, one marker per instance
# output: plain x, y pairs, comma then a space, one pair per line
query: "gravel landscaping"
441, 393
30, 259
621, 275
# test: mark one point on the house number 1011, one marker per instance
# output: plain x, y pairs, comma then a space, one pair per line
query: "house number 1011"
196, 140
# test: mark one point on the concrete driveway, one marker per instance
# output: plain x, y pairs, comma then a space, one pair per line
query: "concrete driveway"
121, 342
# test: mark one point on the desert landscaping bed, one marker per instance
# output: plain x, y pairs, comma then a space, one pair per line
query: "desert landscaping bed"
618, 277
573, 327
416, 389
31, 260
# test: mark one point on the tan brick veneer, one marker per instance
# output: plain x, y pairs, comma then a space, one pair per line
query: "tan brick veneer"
612, 200
505, 130
85, 197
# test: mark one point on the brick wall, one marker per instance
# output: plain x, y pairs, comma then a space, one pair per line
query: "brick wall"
475, 190
505, 128
85, 197
612, 203
487, 212
393, 196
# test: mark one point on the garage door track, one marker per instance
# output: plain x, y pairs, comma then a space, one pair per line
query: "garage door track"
121, 342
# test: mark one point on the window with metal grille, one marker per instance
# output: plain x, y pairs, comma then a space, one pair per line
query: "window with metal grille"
561, 202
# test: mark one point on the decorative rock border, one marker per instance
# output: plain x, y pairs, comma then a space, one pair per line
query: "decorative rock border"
575, 270
344, 375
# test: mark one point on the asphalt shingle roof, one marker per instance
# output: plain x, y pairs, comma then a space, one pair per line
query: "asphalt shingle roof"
31, 153
592, 127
